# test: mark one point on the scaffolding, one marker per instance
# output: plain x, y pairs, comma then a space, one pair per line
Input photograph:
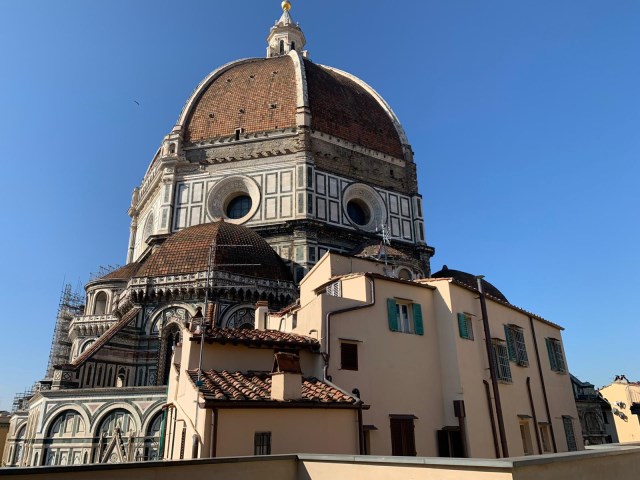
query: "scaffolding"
21, 400
103, 270
71, 305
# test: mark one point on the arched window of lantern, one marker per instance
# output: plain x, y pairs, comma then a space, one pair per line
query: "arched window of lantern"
100, 304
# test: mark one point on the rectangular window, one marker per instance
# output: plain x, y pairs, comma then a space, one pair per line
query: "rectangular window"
405, 316
556, 357
465, 326
349, 356
403, 441
568, 431
450, 443
525, 435
515, 345
501, 361
262, 443
544, 436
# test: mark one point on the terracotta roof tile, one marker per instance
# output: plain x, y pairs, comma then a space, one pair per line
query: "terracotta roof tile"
187, 251
258, 96
123, 273
256, 387
342, 108
268, 338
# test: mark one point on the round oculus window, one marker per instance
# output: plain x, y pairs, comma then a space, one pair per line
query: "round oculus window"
358, 212
239, 207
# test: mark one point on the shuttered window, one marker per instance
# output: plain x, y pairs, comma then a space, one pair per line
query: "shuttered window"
567, 422
556, 357
500, 359
515, 345
349, 356
465, 326
403, 441
405, 317
335, 289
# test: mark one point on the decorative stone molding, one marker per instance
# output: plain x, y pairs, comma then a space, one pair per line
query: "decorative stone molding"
364, 194
226, 190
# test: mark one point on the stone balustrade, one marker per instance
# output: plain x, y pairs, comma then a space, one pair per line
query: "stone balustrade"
90, 325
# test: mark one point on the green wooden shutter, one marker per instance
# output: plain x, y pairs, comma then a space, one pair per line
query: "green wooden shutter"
418, 326
559, 357
462, 325
522, 348
552, 355
393, 315
511, 348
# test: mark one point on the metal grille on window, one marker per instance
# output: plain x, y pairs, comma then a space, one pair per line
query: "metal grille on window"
515, 345
262, 443
568, 431
501, 361
556, 358
335, 289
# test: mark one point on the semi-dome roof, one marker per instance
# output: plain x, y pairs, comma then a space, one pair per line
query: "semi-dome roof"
264, 94
470, 280
240, 250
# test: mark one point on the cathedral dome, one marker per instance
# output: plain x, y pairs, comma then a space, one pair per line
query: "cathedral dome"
259, 95
470, 281
240, 251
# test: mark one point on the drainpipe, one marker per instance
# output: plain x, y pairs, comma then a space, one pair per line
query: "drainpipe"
535, 417
327, 353
492, 368
487, 390
544, 388
356, 392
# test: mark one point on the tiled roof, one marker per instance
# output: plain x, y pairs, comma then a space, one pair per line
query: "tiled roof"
106, 336
267, 338
258, 96
256, 387
187, 251
261, 95
344, 109
123, 273
373, 250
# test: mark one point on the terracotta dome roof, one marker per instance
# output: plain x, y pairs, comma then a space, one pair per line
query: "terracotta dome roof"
187, 251
470, 281
261, 94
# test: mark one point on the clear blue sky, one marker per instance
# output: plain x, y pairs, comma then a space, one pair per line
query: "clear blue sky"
524, 116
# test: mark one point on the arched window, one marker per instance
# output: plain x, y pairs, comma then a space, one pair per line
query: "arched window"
100, 304
404, 274
19, 441
118, 422
293, 45
171, 339
68, 424
241, 318
148, 227
281, 47
152, 438
121, 380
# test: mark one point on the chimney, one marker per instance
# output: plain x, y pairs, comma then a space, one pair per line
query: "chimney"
286, 377
262, 310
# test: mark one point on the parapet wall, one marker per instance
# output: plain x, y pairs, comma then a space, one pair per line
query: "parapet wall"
617, 462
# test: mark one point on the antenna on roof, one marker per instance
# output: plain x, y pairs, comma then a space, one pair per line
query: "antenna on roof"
382, 249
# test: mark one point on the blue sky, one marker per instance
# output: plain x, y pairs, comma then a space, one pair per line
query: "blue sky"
524, 117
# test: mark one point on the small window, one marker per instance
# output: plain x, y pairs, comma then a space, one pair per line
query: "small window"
262, 443
544, 436
567, 422
100, 306
349, 356
515, 345
403, 442
405, 316
281, 47
465, 326
450, 443
556, 358
501, 361
525, 435
293, 45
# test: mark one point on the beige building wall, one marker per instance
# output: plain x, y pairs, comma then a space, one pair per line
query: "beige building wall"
292, 430
621, 394
422, 375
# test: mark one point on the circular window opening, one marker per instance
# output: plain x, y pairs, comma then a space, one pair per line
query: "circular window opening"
239, 207
358, 212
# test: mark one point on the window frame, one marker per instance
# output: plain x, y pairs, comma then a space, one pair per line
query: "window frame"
412, 323
500, 357
569, 433
403, 436
351, 363
465, 326
516, 346
262, 443
555, 352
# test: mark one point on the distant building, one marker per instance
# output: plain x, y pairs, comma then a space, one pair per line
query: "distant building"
624, 397
596, 417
